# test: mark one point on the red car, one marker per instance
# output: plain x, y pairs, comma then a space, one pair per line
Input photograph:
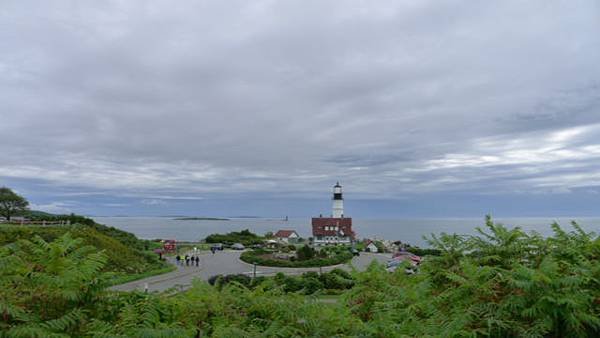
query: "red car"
405, 255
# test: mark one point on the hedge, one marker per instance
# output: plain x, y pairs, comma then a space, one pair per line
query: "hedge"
308, 283
252, 257
423, 251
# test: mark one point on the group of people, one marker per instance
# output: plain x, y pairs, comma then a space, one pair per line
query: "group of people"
187, 260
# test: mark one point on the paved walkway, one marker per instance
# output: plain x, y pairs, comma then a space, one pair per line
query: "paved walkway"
228, 262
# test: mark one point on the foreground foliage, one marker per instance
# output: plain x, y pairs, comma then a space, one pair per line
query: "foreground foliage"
501, 283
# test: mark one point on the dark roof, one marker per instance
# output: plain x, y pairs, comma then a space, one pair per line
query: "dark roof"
344, 226
285, 233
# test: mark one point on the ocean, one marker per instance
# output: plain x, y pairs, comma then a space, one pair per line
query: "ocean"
406, 230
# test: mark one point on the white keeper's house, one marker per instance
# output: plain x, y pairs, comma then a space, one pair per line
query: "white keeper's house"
287, 236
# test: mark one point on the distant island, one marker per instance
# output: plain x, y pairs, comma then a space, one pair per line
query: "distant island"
201, 219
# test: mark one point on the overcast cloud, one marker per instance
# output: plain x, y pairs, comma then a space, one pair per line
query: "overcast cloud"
147, 103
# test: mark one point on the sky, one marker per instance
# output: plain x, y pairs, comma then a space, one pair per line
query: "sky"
225, 108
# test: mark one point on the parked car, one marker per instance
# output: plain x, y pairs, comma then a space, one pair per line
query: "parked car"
217, 246
392, 265
355, 252
405, 255
238, 246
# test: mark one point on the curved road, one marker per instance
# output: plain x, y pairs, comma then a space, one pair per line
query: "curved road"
228, 262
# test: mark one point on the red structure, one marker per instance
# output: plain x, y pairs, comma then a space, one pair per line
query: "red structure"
330, 230
170, 245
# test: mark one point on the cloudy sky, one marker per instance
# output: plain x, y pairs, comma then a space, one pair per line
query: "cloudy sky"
419, 108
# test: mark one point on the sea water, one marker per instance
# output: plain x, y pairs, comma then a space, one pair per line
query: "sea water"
406, 230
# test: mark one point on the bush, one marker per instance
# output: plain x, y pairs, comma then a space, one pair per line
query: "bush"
305, 253
311, 285
245, 237
380, 246
423, 252
342, 273
221, 280
292, 284
253, 257
334, 281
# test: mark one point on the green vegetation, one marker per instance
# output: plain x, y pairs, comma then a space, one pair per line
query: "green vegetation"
423, 251
308, 283
245, 237
126, 278
44, 216
501, 283
380, 246
128, 258
305, 257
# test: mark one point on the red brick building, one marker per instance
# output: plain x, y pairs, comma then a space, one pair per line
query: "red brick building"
330, 230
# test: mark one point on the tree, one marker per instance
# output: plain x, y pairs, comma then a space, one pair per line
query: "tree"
305, 253
11, 203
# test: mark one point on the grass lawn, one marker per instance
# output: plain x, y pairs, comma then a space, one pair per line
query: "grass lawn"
122, 279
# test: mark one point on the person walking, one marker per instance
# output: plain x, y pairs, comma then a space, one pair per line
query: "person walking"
187, 260
197, 261
178, 259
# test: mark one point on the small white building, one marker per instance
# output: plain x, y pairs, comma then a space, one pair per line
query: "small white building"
287, 236
371, 247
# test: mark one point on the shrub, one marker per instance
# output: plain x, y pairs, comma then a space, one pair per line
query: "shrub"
311, 285
380, 246
310, 274
253, 257
305, 253
292, 284
342, 273
245, 237
335, 281
423, 251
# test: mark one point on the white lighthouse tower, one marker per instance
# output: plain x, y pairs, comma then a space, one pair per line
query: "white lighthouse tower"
338, 201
